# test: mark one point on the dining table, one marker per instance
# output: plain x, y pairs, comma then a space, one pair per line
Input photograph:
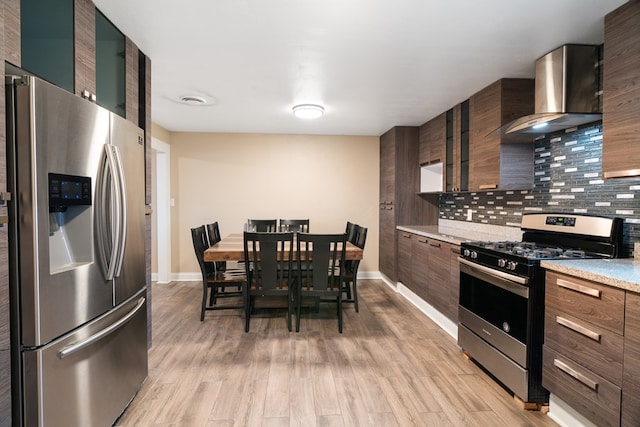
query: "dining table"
231, 248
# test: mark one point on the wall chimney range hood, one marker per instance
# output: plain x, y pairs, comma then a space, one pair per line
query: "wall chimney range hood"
567, 94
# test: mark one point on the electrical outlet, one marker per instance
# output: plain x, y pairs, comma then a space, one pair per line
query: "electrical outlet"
469, 215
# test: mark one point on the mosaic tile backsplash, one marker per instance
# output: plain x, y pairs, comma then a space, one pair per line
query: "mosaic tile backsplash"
567, 178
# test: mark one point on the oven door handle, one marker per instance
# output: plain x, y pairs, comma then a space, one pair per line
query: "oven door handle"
506, 281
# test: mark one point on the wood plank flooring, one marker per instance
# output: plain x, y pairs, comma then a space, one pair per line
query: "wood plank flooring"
392, 366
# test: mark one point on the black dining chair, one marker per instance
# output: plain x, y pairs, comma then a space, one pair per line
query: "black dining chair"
263, 225
215, 281
213, 233
294, 225
350, 275
214, 237
321, 256
268, 259
351, 231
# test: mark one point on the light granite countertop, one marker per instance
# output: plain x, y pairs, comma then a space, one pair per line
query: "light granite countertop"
621, 273
432, 232
456, 232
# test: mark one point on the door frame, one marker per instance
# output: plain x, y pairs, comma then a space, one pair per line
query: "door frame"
162, 209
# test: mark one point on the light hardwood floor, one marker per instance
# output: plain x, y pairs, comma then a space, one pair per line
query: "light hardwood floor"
392, 366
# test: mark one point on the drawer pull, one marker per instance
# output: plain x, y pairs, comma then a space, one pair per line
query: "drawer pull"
579, 288
578, 328
406, 235
422, 240
435, 245
575, 374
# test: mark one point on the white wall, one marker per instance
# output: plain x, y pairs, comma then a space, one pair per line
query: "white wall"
231, 177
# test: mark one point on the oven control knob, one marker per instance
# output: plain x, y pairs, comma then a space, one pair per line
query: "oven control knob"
511, 265
474, 254
506, 327
502, 262
466, 252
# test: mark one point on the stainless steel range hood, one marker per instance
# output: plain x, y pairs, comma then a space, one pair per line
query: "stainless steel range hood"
567, 93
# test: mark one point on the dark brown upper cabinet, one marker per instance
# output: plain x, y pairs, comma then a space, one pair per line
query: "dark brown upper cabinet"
621, 92
494, 164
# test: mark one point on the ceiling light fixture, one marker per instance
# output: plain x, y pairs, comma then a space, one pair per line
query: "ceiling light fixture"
308, 111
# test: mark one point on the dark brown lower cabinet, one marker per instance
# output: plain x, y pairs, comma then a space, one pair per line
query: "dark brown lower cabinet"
591, 356
421, 265
631, 373
591, 395
454, 280
439, 276
405, 258
429, 268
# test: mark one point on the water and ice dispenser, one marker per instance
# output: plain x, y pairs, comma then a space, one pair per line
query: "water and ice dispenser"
70, 222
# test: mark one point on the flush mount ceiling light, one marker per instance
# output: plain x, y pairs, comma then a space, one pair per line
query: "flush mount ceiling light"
308, 111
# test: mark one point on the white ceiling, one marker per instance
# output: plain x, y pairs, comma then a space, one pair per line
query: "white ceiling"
372, 64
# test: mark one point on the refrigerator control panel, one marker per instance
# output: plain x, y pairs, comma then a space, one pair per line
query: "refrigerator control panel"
68, 190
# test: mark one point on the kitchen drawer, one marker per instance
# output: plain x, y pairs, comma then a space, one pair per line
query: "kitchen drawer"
596, 348
591, 395
597, 304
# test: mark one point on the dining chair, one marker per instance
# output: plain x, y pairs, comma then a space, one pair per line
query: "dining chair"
322, 257
268, 259
214, 281
294, 225
350, 275
351, 231
214, 237
263, 225
213, 233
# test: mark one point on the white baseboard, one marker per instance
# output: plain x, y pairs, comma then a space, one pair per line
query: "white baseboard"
440, 319
565, 415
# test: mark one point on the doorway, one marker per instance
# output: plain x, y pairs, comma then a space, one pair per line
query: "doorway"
161, 216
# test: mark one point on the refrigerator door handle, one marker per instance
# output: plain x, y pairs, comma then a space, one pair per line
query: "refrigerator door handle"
109, 212
72, 348
122, 211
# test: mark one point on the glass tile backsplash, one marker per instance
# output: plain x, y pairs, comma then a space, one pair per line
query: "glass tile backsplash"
567, 178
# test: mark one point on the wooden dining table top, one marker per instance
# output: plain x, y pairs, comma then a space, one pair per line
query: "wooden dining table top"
231, 248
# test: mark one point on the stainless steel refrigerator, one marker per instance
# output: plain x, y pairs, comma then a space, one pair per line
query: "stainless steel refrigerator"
77, 258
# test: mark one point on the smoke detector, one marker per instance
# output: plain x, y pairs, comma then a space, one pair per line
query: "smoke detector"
193, 100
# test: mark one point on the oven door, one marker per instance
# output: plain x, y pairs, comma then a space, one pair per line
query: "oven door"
494, 305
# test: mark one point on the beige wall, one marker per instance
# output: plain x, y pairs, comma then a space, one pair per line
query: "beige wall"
231, 177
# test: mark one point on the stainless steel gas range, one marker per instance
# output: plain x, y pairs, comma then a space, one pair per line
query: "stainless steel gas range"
501, 312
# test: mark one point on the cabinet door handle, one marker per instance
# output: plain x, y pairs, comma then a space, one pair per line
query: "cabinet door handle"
575, 374
579, 288
406, 235
422, 240
488, 186
435, 245
622, 173
578, 328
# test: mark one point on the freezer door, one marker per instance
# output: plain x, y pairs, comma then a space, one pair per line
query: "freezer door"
129, 141
89, 377
61, 284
